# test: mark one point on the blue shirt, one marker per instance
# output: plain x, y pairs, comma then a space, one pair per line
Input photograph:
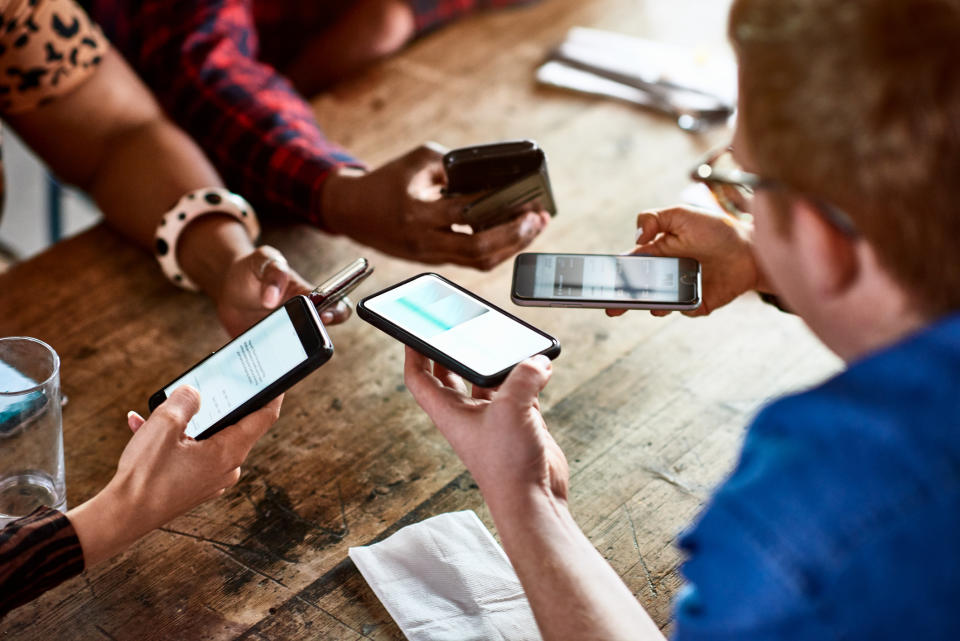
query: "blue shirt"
842, 518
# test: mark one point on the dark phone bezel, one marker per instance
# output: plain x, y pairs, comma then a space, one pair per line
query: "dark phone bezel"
491, 166
405, 337
316, 343
506, 175
524, 266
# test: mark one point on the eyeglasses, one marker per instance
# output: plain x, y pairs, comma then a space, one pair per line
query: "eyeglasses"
733, 188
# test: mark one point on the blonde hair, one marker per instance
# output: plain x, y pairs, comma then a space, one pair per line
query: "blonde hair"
857, 103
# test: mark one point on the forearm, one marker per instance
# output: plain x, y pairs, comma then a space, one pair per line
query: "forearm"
144, 174
258, 132
574, 593
104, 527
134, 163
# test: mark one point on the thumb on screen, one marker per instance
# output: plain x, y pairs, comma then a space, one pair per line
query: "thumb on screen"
180, 407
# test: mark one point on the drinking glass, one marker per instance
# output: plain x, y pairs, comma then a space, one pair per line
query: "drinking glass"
31, 430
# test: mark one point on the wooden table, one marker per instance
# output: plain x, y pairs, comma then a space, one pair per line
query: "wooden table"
650, 412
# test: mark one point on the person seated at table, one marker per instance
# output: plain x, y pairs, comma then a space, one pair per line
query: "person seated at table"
840, 519
162, 474
215, 67
74, 100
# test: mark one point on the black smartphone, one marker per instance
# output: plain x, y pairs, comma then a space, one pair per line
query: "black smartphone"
254, 368
455, 328
606, 281
514, 175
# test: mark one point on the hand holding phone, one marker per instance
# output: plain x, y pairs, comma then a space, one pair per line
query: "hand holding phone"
606, 281
400, 209
455, 328
514, 173
254, 368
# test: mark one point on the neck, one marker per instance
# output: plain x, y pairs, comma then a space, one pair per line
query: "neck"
872, 330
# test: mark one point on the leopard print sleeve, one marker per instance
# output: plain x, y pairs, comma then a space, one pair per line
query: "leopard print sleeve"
47, 49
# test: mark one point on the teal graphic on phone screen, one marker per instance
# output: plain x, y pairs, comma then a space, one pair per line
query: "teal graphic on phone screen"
460, 326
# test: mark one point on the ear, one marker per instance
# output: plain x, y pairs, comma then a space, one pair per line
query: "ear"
827, 254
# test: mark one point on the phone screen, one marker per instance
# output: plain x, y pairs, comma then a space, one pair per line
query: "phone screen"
460, 326
242, 368
607, 278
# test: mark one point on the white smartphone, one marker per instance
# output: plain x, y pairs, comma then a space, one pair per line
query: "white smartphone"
455, 328
606, 281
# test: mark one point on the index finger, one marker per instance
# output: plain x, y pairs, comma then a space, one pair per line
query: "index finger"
437, 400
336, 314
443, 211
418, 374
486, 249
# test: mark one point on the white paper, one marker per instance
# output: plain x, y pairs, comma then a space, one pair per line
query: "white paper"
655, 62
447, 579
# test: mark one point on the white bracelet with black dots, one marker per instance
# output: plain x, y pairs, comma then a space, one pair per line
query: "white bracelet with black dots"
210, 200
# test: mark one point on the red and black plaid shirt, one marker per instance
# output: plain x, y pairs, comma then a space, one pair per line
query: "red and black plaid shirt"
202, 60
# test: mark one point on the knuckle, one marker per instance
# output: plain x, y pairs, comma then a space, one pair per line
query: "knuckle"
274, 413
487, 264
233, 477
228, 459
413, 242
425, 152
269, 251
477, 251
172, 413
526, 368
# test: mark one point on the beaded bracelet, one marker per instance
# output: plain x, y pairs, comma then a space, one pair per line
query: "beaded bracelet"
210, 200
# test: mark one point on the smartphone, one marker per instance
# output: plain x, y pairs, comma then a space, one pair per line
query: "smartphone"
254, 368
456, 328
606, 281
339, 286
514, 175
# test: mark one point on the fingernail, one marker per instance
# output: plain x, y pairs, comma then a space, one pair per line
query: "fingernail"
131, 414
326, 317
639, 234
531, 226
272, 296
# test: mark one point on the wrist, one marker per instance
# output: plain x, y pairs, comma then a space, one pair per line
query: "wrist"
517, 504
209, 246
106, 525
337, 196
518, 516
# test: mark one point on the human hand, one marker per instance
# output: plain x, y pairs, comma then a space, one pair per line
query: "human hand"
164, 473
722, 245
258, 283
400, 209
499, 434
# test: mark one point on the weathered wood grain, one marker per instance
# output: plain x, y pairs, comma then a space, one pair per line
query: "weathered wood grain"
649, 411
